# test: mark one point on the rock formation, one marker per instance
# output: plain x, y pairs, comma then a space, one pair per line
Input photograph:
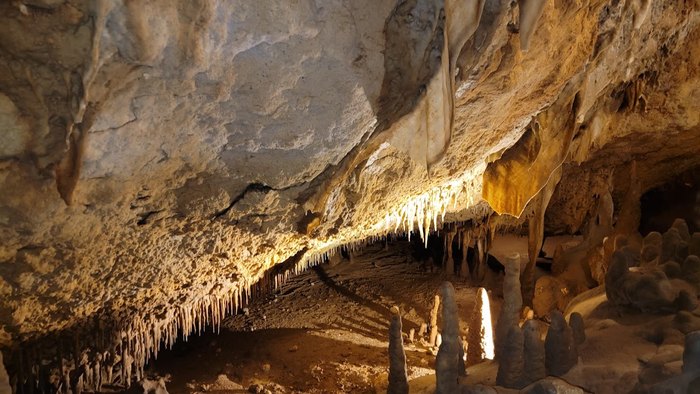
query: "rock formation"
433, 321
161, 160
448, 363
661, 284
511, 362
533, 353
687, 381
398, 379
512, 302
577, 328
4, 378
559, 346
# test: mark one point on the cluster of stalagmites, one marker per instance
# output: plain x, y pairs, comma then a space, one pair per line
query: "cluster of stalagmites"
525, 360
661, 276
522, 356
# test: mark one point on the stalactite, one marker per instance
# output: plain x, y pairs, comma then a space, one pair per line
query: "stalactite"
536, 234
450, 259
430, 208
530, 12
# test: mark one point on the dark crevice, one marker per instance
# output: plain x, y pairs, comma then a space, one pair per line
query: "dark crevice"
146, 216
259, 187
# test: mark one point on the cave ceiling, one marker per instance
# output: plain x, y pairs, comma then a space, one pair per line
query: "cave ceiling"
164, 155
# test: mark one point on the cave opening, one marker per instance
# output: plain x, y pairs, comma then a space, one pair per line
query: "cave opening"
678, 197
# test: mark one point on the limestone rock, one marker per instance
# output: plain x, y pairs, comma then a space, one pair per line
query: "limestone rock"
447, 363
5, 387
511, 362
551, 385
512, 302
534, 355
577, 328
550, 293
398, 378
559, 345
160, 157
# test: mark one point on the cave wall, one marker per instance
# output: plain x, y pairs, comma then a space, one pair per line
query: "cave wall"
159, 157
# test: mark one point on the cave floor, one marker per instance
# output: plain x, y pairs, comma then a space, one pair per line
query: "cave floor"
326, 330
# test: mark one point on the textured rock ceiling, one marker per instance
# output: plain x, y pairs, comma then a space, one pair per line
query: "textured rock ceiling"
159, 157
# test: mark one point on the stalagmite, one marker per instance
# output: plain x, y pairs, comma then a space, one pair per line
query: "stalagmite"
510, 360
398, 380
433, 321
577, 328
98, 372
447, 362
127, 364
671, 245
480, 339
512, 302
559, 346
534, 356
422, 330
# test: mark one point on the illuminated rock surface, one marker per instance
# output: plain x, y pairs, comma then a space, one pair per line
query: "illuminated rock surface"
158, 158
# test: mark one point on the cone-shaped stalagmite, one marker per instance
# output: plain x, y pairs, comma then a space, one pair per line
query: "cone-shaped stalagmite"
512, 301
480, 337
433, 321
534, 368
398, 380
577, 328
447, 363
559, 346
511, 362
